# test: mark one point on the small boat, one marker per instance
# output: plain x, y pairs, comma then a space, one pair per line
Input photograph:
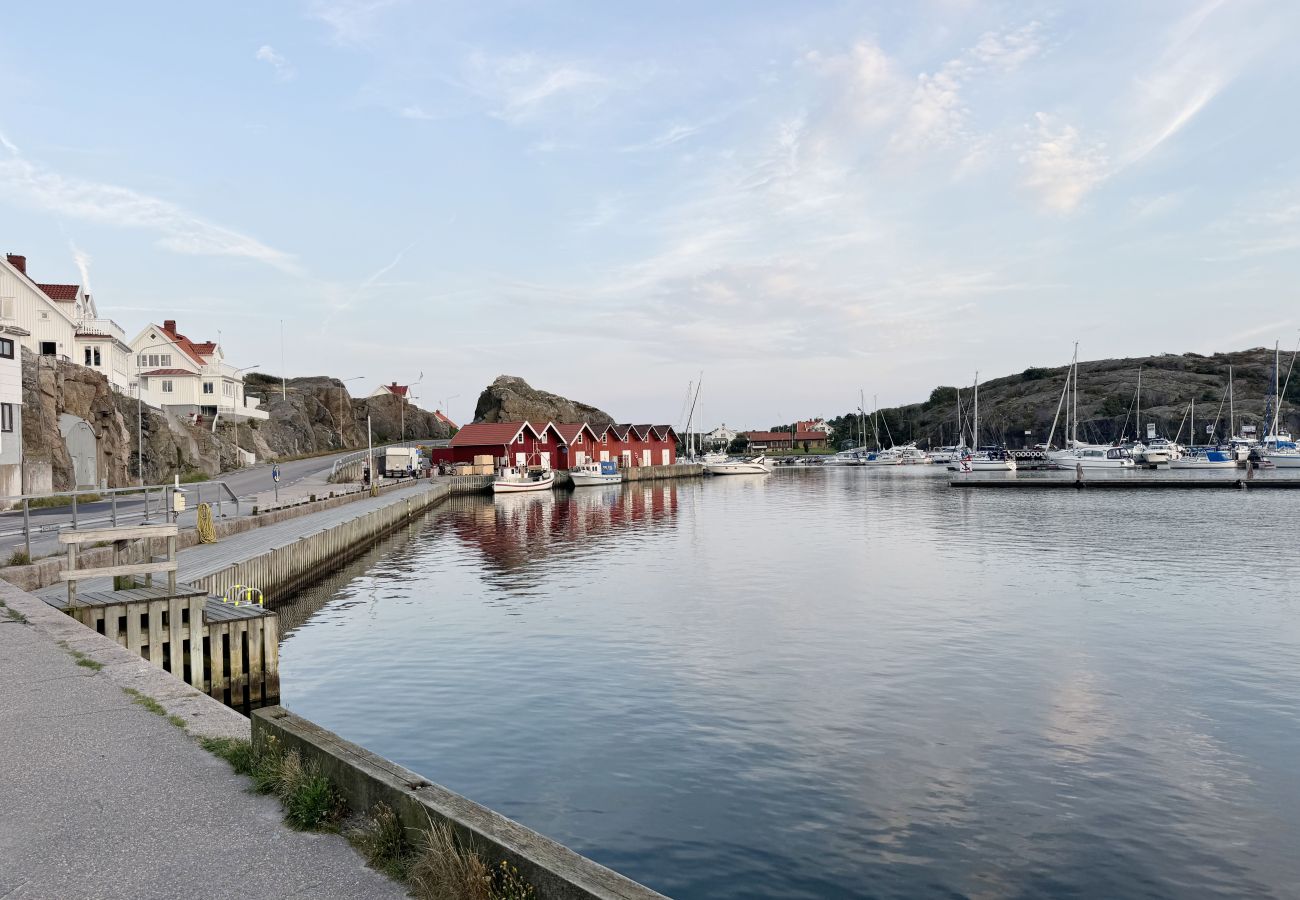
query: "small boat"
1282, 457
517, 479
944, 455
1206, 459
983, 461
1092, 457
592, 473
756, 466
909, 455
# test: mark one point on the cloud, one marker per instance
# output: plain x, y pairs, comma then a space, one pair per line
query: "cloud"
1063, 167
283, 69
82, 260
674, 134
351, 21
415, 112
522, 87
29, 184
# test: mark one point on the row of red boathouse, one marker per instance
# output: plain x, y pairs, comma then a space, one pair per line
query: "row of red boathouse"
561, 445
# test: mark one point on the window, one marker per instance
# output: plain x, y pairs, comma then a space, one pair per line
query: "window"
6, 307
578, 439
604, 438
49, 348
167, 386
87, 356
166, 359
6, 348
207, 387
6, 417
520, 439
228, 388
97, 360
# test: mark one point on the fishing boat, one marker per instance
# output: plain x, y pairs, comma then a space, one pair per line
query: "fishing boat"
517, 479
756, 466
1206, 459
594, 473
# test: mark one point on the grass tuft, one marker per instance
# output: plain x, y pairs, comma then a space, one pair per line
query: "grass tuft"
238, 753
442, 869
13, 614
381, 839
20, 558
88, 663
61, 500
148, 703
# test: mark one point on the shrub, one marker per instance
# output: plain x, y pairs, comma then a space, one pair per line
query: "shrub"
442, 869
19, 558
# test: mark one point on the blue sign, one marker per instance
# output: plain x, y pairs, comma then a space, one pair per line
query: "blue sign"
275, 473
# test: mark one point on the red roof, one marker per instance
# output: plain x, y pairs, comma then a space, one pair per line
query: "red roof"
663, 431
620, 431
441, 417
489, 434
397, 390
64, 292
187, 346
570, 430
641, 431
771, 436
171, 372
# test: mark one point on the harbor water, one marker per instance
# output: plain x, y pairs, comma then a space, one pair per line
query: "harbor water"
842, 682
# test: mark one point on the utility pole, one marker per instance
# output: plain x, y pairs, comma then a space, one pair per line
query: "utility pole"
284, 391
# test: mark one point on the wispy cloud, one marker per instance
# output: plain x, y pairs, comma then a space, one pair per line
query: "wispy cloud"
351, 21
82, 260
30, 184
674, 134
284, 70
416, 112
522, 87
1062, 166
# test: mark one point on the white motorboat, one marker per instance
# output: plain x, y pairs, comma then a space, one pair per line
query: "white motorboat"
1282, 457
518, 479
594, 473
1206, 459
944, 455
1092, 457
888, 457
1149, 455
756, 466
909, 455
983, 462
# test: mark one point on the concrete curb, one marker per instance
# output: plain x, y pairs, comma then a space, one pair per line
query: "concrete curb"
204, 717
366, 779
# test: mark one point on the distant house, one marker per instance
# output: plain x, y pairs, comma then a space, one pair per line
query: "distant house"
62, 321
190, 377
399, 391
762, 441
720, 437
442, 417
817, 424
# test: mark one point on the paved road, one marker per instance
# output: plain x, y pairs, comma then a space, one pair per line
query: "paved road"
244, 483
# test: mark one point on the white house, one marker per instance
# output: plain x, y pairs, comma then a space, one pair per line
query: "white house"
190, 377
11, 410
61, 320
392, 390
722, 436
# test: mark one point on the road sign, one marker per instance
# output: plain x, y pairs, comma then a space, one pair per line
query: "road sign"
275, 473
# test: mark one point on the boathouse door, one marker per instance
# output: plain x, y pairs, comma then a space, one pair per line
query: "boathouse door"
546, 459
645, 458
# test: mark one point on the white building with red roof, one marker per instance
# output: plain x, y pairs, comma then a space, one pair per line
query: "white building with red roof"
190, 377
61, 321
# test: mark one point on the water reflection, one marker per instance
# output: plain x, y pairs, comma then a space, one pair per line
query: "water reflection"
844, 683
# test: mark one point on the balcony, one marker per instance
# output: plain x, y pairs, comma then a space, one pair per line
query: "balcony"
101, 327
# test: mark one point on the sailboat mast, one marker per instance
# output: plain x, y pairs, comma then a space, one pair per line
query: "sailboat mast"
1074, 412
1138, 433
1277, 362
975, 425
1232, 427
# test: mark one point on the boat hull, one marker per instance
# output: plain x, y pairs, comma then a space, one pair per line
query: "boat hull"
587, 479
1197, 463
501, 486
757, 466
1283, 460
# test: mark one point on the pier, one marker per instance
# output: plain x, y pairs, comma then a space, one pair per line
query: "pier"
1129, 484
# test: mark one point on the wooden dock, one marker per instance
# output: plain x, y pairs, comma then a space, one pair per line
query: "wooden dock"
1128, 484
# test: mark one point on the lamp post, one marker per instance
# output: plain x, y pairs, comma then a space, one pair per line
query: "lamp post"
139, 409
343, 381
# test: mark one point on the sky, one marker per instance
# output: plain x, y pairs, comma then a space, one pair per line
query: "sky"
800, 201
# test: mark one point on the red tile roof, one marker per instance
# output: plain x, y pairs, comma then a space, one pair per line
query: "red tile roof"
65, 292
170, 372
187, 346
397, 390
441, 417
489, 434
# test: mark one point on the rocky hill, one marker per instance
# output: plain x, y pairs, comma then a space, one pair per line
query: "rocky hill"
314, 415
509, 399
1014, 404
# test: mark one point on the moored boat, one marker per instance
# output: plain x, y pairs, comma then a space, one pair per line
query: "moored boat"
518, 479
756, 466
594, 473
1092, 457
1206, 459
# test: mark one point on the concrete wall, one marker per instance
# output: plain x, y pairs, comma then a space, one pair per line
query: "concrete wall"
365, 779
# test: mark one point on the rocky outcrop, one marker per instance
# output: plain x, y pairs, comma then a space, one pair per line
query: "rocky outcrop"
510, 399
1014, 404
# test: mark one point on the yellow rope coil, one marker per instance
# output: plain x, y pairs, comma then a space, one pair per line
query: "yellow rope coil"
207, 531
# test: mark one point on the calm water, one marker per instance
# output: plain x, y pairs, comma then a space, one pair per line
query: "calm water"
843, 683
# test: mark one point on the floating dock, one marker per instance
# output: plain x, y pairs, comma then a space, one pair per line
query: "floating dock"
1129, 484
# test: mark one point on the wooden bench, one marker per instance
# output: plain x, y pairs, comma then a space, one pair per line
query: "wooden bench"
74, 537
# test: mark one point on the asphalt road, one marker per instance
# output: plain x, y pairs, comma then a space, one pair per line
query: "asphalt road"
244, 483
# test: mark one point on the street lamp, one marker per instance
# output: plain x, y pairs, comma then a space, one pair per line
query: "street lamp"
343, 381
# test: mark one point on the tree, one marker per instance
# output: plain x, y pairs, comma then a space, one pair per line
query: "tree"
739, 445
805, 446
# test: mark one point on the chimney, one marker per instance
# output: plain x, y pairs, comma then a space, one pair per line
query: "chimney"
18, 262
169, 325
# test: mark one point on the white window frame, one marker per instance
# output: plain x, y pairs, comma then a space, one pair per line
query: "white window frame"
7, 308
7, 348
168, 386
7, 417
208, 387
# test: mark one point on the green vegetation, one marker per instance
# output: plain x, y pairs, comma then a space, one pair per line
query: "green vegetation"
62, 500
234, 751
87, 663
310, 802
19, 558
13, 614
147, 702
381, 839
194, 477
1035, 373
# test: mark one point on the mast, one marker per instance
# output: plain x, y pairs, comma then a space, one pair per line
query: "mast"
1192, 424
1277, 361
1232, 427
958, 442
1138, 432
875, 419
975, 425
1074, 435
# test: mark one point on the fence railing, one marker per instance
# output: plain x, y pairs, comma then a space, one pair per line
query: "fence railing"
157, 502
360, 455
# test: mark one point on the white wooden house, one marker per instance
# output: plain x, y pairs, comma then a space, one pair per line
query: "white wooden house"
190, 377
11, 406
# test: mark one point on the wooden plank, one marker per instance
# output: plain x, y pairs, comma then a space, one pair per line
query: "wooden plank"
111, 616
134, 639
256, 674
271, 658
176, 649
114, 571
126, 533
156, 608
217, 677
237, 673
196, 630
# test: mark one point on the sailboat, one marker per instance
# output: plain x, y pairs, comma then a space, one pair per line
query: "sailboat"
1087, 456
1207, 458
1278, 447
981, 460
